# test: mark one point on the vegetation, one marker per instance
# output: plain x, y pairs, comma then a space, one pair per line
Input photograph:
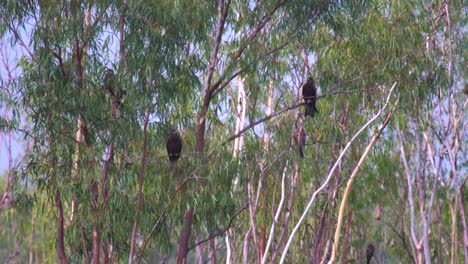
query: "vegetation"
384, 169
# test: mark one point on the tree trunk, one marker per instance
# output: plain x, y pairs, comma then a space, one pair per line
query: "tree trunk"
60, 233
184, 238
200, 136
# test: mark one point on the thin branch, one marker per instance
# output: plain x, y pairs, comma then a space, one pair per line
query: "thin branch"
289, 208
461, 210
328, 178
83, 243
410, 189
220, 232
219, 85
288, 108
18, 38
168, 204
434, 187
222, 15
277, 215
90, 29
259, 26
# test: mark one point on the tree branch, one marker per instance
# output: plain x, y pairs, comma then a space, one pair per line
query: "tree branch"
275, 220
220, 232
410, 189
268, 117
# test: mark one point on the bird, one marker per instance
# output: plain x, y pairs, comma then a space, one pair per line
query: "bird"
309, 93
300, 139
174, 147
109, 81
369, 252
109, 84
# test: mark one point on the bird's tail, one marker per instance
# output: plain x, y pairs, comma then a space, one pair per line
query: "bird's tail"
173, 165
368, 259
310, 110
301, 152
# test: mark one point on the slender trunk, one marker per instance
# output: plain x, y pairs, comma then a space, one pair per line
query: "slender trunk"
184, 238
213, 250
419, 254
207, 89
440, 238
96, 225
104, 184
276, 216
82, 139
200, 135
454, 236
140, 188
264, 177
288, 213
228, 248
83, 243
240, 117
60, 233
317, 240
199, 251
262, 239
344, 250
31, 239
245, 250
241, 108
58, 201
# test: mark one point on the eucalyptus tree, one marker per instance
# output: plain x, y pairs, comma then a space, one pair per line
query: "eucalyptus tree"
87, 142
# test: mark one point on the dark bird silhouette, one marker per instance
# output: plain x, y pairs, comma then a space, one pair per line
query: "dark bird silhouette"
109, 82
369, 252
300, 139
174, 147
110, 85
309, 93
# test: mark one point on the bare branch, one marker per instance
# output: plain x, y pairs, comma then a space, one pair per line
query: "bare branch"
18, 38
410, 189
275, 220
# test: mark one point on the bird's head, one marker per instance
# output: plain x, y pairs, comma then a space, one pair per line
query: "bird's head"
109, 72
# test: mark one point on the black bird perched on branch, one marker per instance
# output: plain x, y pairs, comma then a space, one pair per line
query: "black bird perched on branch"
309, 93
300, 139
369, 252
174, 147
